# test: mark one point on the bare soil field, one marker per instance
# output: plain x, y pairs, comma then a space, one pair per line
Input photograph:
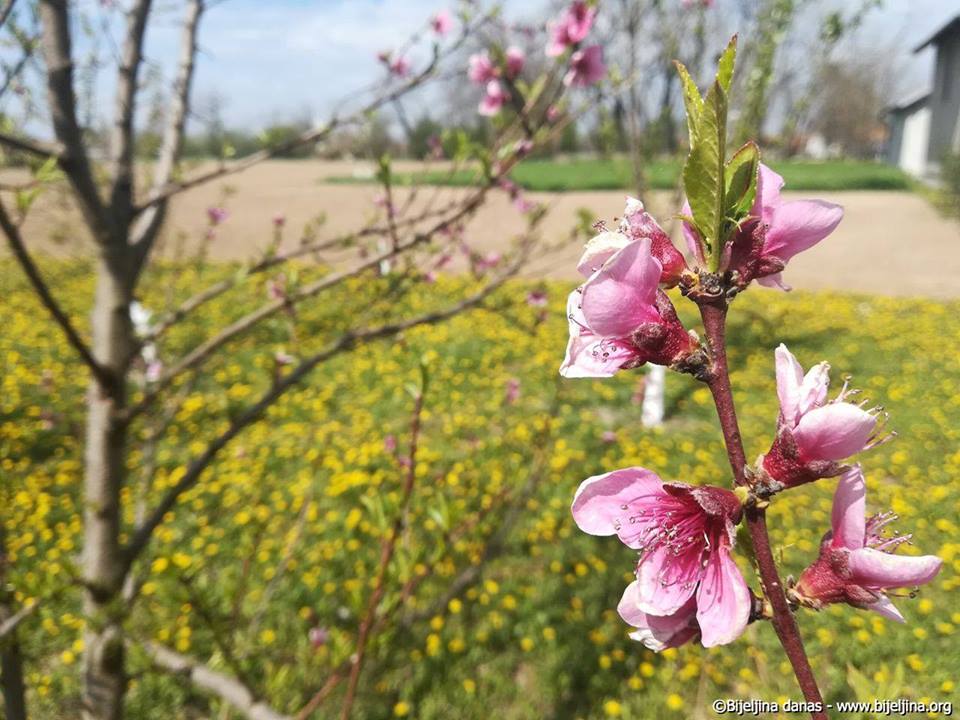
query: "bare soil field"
889, 243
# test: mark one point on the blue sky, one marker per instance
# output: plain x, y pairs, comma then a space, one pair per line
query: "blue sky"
273, 60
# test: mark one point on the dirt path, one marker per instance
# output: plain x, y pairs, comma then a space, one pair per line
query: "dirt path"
890, 243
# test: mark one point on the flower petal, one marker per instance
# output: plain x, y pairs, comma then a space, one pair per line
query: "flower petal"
774, 281
604, 503
600, 249
799, 225
886, 608
619, 297
655, 632
591, 357
769, 185
691, 236
833, 432
849, 507
667, 581
813, 389
723, 600
876, 569
789, 380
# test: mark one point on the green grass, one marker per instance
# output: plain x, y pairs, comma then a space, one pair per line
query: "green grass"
615, 174
540, 615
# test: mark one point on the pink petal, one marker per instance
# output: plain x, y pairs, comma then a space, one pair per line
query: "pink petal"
691, 236
789, 380
655, 632
600, 249
723, 600
886, 608
619, 297
774, 281
876, 569
833, 432
813, 389
588, 355
769, 185
849, 505
604, 503
666, 581
799, 225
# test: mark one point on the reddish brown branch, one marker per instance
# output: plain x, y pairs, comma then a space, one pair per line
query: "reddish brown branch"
386, 556
714, 322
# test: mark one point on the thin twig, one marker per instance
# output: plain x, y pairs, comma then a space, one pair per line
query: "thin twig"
141, 536
15, 240
386, 555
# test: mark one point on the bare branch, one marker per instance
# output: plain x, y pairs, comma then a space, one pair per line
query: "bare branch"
228, 689
310, 136
121, 193
34, 147
304, 248
204, 350
15, 240
149, 222
73, 160
386, 556
5, 12
12, 622
141, 536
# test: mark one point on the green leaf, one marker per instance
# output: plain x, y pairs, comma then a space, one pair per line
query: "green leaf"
741, 181
703, 172
691, 100
726, 64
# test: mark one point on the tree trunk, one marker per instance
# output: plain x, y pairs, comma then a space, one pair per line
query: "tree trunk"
104, 675
11, 659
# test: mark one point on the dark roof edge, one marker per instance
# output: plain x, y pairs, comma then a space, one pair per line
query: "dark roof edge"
947, 27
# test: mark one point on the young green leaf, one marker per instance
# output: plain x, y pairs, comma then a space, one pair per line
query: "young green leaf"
703, 173
691, 100
726, 64
741, 181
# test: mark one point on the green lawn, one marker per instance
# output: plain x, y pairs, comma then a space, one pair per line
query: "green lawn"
615, 174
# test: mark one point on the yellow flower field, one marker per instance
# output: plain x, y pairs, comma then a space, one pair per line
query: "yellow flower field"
495, 600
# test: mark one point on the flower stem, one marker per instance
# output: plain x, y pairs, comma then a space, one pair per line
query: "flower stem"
714, 316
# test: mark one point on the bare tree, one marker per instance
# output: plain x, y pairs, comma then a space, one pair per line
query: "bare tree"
125, 221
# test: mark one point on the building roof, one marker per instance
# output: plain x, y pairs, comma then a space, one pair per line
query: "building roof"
952, 26
910, 102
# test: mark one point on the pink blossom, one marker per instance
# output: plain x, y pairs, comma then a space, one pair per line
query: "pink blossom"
400, 67
857, 564
537, 298
515, 58
513, 391
442, 22
277, 287
776, 232
609, 436
318, 636
217, 215
619, 318
436, 146
390, 443
686, 580
813, 434
487, 262
687, 4
586, 67
638, 223
493, 100
570, 28
524, 206
553, 114
481, 69
279, 220
430, 277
